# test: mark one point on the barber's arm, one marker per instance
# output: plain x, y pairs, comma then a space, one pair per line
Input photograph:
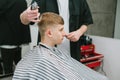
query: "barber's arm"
29, 15
85, 20
75, 35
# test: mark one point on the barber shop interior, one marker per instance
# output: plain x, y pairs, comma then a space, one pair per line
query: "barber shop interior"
87, 46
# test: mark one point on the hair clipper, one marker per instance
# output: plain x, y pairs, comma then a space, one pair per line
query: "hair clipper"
34, 5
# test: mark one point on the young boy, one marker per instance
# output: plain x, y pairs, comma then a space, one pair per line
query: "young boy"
46, 62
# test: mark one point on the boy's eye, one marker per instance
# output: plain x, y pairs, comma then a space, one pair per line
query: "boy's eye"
61, 29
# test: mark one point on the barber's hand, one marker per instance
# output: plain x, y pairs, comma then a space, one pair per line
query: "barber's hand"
73, 36
29, 16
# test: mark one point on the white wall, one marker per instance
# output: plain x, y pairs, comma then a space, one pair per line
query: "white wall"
110, 48
34, 38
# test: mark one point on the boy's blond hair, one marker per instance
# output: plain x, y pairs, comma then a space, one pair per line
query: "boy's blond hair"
49, 19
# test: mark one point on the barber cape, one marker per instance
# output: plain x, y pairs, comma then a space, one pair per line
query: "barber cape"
46, 63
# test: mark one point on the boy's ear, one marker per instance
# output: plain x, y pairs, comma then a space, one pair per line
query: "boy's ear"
49, 33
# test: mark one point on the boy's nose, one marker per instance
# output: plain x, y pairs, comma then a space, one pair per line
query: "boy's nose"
64, 33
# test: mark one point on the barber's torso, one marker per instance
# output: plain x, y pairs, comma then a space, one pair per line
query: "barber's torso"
12, 31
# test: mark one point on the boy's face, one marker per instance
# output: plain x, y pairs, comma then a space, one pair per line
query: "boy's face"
58, 34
